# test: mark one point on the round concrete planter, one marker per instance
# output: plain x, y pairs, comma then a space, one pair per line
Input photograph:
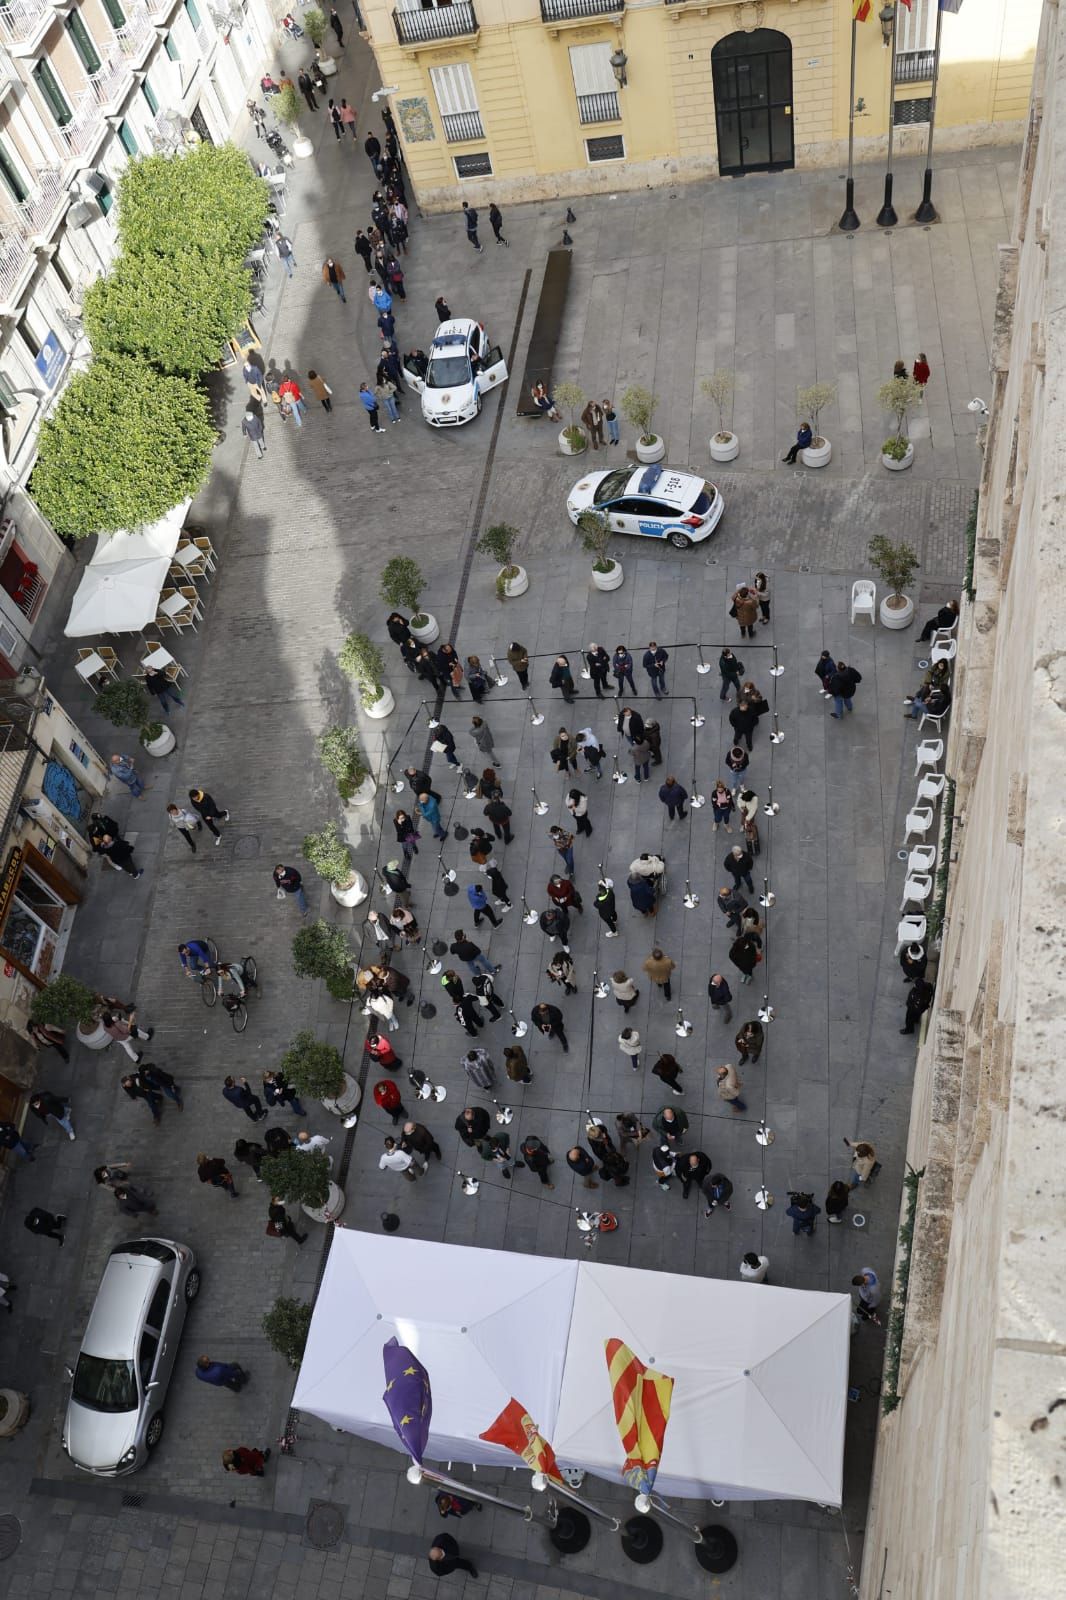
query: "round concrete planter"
363, 796
653, 451
161, 746
382, 706
14, 1412
817, 455
568, 449
724, 447
892, 465
427, 631
348, 1100
354, 894
93, 1037
608, 580
302, 146
332, 1208
513, 587
900, 617
327, 64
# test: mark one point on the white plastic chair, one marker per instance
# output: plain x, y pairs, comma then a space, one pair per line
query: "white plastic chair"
921, 859
928, 754
909, 930
944, 648
930, 788
864, 599
919, 821
916, 891
935, 717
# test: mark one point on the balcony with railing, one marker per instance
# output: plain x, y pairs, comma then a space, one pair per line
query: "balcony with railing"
599, 107
87, 123
135, 38
28, 224
577, 10
460, 126
113, 81
23, 23
427, 27
915, 66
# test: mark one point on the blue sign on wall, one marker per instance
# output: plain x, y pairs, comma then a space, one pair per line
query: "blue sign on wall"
51, 361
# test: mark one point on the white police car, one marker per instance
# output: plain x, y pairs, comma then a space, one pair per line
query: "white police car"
462, 367
656, 502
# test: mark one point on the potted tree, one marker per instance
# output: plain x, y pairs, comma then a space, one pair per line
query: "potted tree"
595, 531
573, 439
402, 584
302, 1178
332, 860
724, 445
65, 1002
316, 27
498, 542
339, 753
361, 659
321, 950
14, 1411
286, 1326
638, 405
287, 107
316, 1071
901, 396
895, 565
810, 403
124, 704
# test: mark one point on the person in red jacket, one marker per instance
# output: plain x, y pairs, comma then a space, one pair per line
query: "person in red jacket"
920, 370
381, 1051
387, 1096
561, 892
245, 1462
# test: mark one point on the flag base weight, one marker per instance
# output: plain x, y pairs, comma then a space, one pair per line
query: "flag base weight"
642, 1540
572, 1531
718, 1551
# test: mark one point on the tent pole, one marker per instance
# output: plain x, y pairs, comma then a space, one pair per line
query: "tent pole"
541, 1482
416, 1474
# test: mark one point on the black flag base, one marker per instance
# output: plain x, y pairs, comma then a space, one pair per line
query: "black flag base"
718, 1551
927, 211
849, 220
886, 217
572, 1531
642, 1540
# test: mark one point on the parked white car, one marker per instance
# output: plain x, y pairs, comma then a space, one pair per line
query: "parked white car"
115, 1412
653, 502
462, 367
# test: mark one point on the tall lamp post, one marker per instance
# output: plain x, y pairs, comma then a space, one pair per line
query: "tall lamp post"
886, 217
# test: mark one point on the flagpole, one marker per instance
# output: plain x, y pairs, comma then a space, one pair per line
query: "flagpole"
541, 1481
886, 217
849, 221
416, 1474
927, 212
646, 1503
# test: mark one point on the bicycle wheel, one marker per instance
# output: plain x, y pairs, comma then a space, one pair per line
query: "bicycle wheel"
251, 971
208, 991
238, 1015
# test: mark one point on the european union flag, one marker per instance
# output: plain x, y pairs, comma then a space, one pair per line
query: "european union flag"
408, 1397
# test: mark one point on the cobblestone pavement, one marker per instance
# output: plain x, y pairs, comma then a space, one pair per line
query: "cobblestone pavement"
757, 282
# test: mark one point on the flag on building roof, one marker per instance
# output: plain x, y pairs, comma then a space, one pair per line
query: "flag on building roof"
515, 1429
408, 1397
641, 1411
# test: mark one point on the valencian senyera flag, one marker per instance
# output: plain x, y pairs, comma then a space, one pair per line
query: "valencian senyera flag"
408, 1397
861, 9
515, 1429
641, 1411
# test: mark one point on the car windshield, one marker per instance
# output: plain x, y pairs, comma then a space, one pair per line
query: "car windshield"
612, 486
446, 372
105, 1385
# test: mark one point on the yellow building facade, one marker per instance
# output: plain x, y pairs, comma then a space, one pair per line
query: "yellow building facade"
532, 99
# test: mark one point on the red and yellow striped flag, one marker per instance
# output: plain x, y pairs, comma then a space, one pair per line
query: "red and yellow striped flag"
515, 1429
860, 9
641, 1411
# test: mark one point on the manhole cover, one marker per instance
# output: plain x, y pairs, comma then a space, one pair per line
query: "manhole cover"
247, 846
325, 1524
10, 1536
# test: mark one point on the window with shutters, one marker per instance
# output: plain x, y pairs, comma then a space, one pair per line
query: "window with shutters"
51, 93
457, 102
82, 42
915, 37
115, 14
594, 83
128, 138
150, 96
10, 173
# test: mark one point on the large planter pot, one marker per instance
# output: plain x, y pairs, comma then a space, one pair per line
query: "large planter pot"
382, 706
819, 454
899, 617
327, 63
364, 795
354, 894
332, 1208
608, 580
428, 630
724, 447
569, 449
93, 1036
14, 1412
348, 1100
302, 146
892, 465
512, 587
653, 451
161, 746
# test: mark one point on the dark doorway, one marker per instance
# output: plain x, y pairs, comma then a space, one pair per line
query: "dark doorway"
199, 122
753, 101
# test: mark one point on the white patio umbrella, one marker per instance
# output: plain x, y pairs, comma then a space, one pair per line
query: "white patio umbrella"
119, 597
154, 539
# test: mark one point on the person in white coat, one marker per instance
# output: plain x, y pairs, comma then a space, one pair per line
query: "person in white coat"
753, 1268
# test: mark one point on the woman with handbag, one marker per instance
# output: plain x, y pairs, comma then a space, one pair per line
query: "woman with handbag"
722, 805
406, 835
748, 808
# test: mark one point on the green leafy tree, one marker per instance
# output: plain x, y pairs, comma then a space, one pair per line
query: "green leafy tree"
811, 402
315, 25
595, 531
361, 659
205, 198
329, 855
64, 1001
638, 406
123, 446
175, 311
402, 584
321, 950
895, 564
299, 1177
572, 399
287, 107
339, 753
286, 1326
123, 703
314, 1068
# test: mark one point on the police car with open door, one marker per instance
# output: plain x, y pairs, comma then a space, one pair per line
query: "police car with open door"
653, 502
462, 367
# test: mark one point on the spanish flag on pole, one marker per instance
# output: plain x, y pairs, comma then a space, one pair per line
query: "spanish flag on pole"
515, 1429
641, 1411
860, 9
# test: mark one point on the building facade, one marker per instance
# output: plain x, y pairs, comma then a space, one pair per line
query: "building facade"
84, 86
968, 1485
532, 99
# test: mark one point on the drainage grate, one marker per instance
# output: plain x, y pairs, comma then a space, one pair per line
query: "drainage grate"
246, 847
132, 1501
10, 1536
325, 1524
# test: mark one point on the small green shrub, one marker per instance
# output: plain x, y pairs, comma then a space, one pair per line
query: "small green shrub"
299, 1177
402, 585
123, 703
638, 406
329, 855
314, 1068
63, 1002
361, 660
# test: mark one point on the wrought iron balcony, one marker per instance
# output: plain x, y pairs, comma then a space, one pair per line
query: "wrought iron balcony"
462, 125
112, 81
137, 34
914, 66
599, 107
23, 21
574, 10
444, 22
86, 124
26, 223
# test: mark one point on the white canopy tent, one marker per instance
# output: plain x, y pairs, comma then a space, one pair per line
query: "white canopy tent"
760, 1373
120, 588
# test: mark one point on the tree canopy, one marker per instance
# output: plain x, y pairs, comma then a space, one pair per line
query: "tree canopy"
175, 311
123, 446
206, 199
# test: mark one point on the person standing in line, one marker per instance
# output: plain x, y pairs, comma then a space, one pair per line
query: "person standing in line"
738, 863
869, 1287
730, 670
499, 814
49, 1107
640, 755
630, 725
184, 822
722, 805
836, 1201
729, 1086
213, 1170
745, 608
629, 1044
369, 402
919, 999
717, 1191
673, 796
537, 1157
694, 1168
38, 1220
517, 654
320, 389
221, 1374
590, 747
123, 769
482, 735
385, 394
496, 223
516, 1064
721, 996
660, 968
479, 1068
562, 678
610, 417
564, 753
606, 909
418, 1138
743, 721
664, 1165
761, 585
239, 1094
670, 1125
548, 1020
624, 990
654, 662
561, 893
622, 667
362, 248
578, 807
560, 970
444, 736
749, 1042
333, 273
804, 436
599, 665
842, 686
564, 844
732, 904
444, 1557
252, 428
582, 1165
479, 905
803, 1211
470, 218
288, 881
592, 417
668, 1069
429, 810
753, 1267
745, 955
209, 811
372, 146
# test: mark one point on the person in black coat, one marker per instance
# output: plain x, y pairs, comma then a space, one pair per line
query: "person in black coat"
946, 617
738, 863
622, 667
653, 738
537, 1157
555, 924
744, 954
445, 736
673, 796
631, 724
468, 1014
472, 1124
120, 853
420, 783
444, 1557
606, 908
398, 628
919, 999
744, 720
824, 668
549, 1020
426, 668
580, 1162
693, 1169
562, 678
721, 996
641, 894
599, 665
842, 687
913, 961
564, 752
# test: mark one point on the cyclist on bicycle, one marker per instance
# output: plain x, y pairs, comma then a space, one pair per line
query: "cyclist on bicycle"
196, 959
235, 972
